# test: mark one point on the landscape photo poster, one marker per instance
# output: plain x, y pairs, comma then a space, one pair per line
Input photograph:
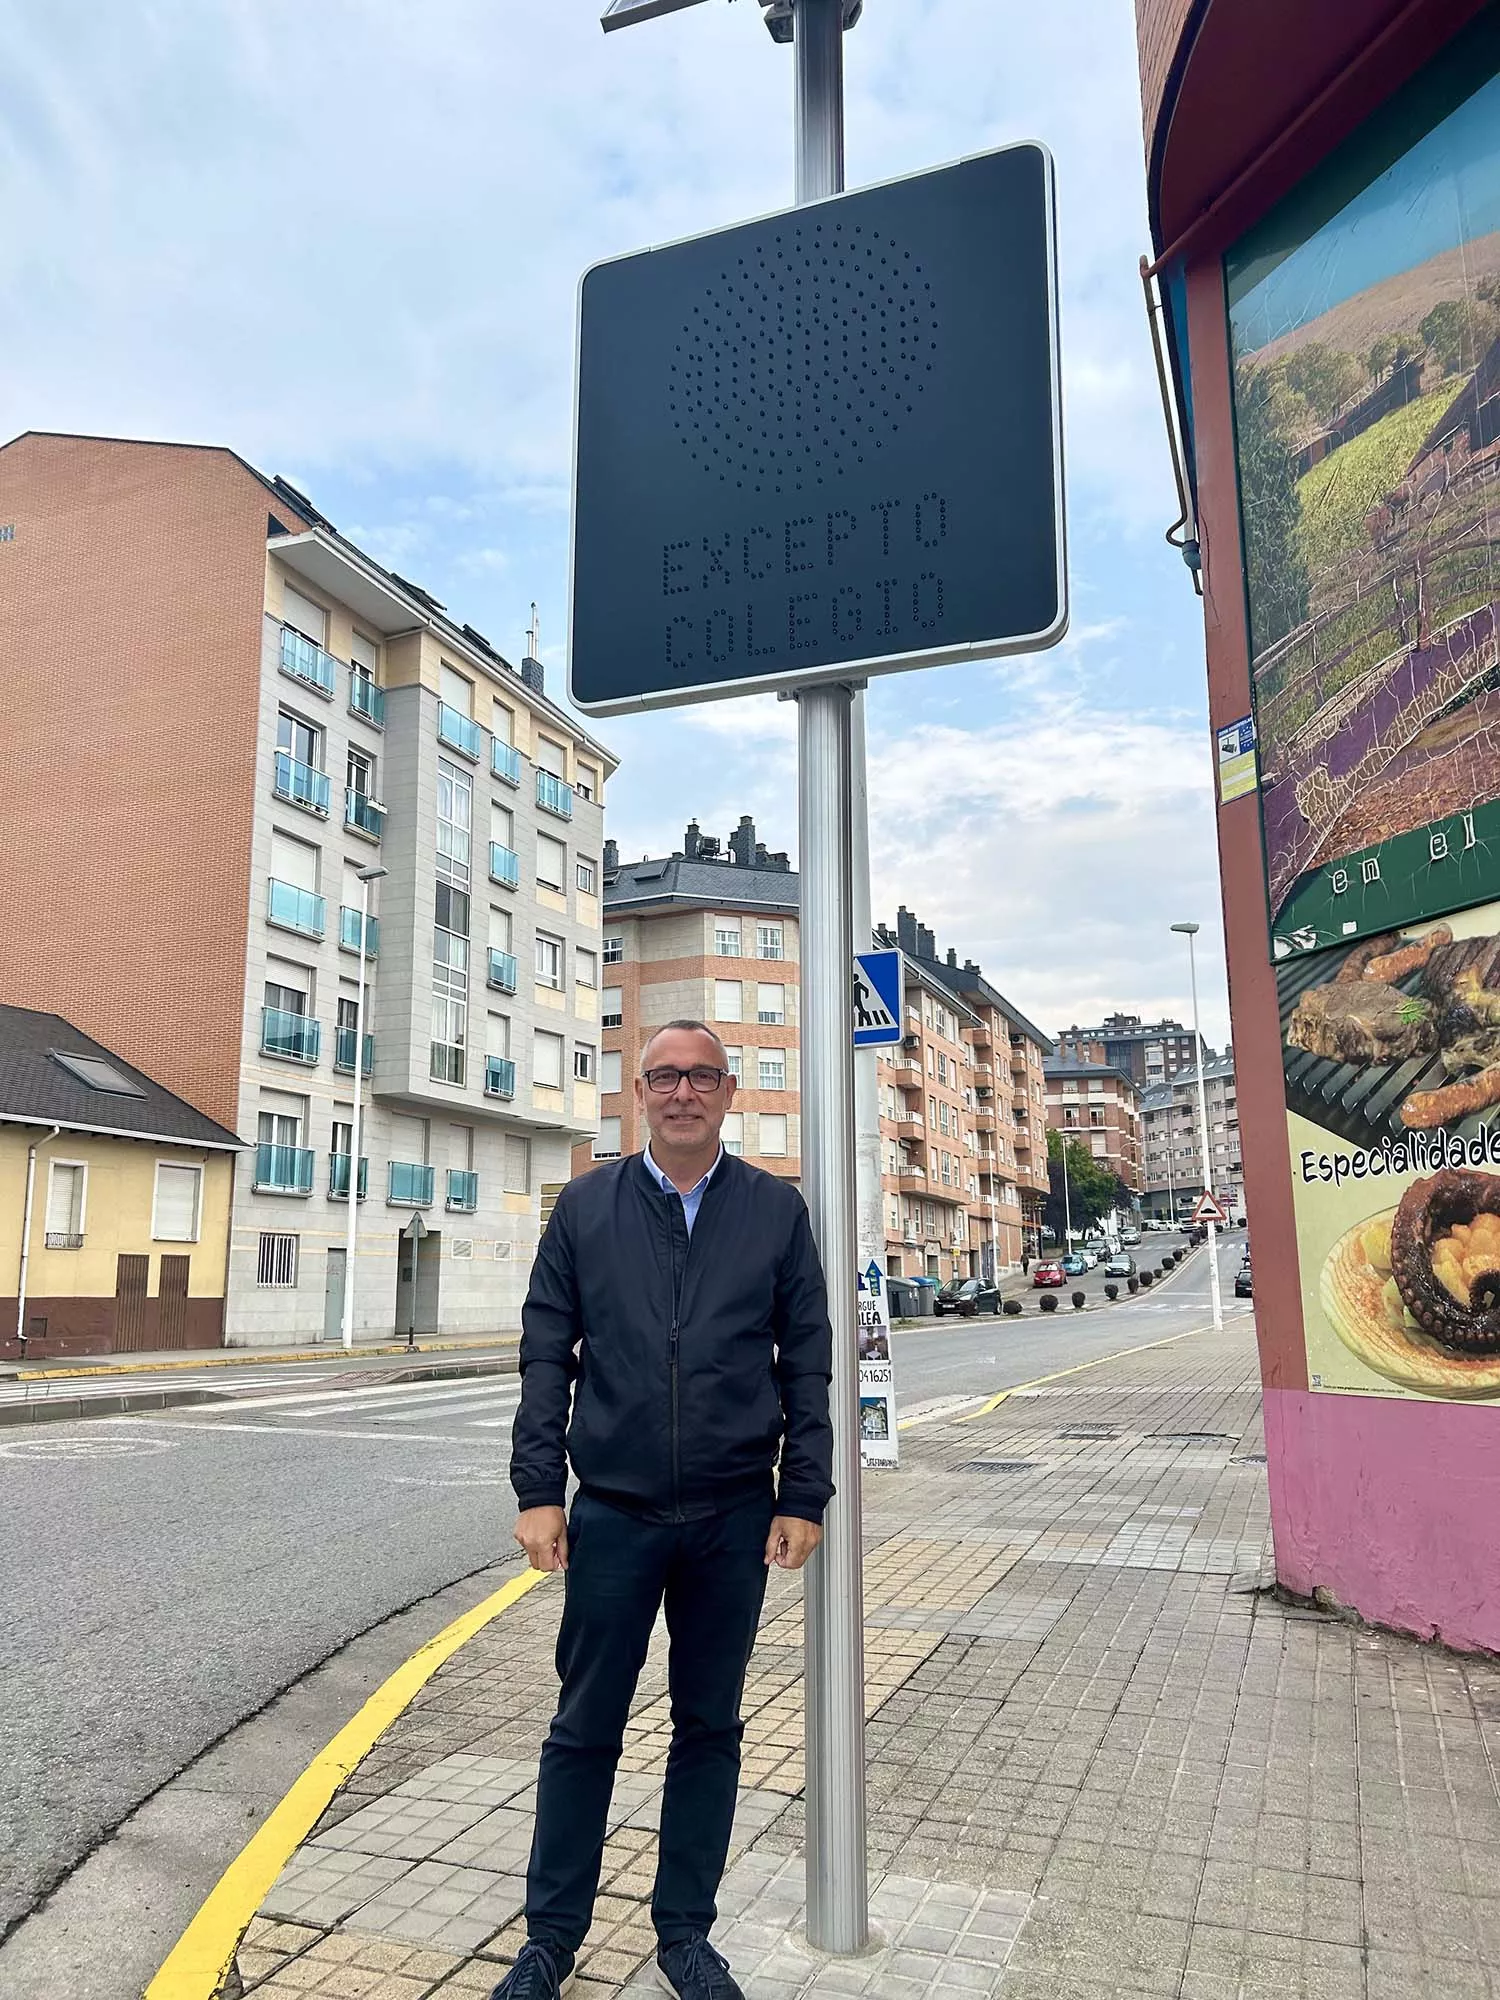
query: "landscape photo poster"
1391, 1059
1365, 330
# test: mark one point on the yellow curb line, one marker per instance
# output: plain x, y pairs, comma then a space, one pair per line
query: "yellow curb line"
251, 1358
1119, 1355
197, 1964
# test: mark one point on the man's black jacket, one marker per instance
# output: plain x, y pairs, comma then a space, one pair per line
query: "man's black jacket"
691, 1360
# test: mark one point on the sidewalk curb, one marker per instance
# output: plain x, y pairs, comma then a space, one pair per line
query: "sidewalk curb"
256, 1357
198, 1963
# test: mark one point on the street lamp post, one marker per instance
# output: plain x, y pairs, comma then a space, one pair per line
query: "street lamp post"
366, 877
1190, 931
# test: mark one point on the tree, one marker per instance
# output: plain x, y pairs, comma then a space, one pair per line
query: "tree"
1093, 1189
1458, 331
1276, 569
1382, 356
1326, 376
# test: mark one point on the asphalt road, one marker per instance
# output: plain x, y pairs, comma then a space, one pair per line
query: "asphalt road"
165, 1576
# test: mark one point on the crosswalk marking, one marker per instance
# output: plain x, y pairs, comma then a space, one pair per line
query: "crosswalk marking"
451, 1408
329, 1400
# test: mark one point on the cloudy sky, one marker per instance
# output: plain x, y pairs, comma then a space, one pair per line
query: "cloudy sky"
344, 236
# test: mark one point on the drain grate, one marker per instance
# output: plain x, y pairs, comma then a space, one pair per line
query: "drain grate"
1001, 1465
1192, 1437
1091, 1434
1249, 1458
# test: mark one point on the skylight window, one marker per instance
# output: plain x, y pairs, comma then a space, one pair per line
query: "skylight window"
94, 1073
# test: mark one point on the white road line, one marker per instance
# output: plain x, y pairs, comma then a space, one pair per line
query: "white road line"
337, 1398
452, 1407
294, 1430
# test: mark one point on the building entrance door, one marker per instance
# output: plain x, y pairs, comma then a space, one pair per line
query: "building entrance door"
418, 1264
172, 1302
132, 1275
333, 1296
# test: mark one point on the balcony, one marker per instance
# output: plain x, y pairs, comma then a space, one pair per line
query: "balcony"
501, 971
463, 1192
366, 699
305, 662
458, 732
343, 1052
293, 909
553, 796
409, 1185
349, 932
362, 814
283, 1170
338, 1177
911, 1121
290, 1037
983, 1074
64, 1239
908, 1170
908, 1072
505, 762
505, 865
300, 784
499, 1076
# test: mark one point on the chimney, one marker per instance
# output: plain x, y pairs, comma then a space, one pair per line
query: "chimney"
742, 842
952, 958
611, 857
926, 942
780, 860
760, 854
692, 840
906, 931
971, 965
533, 673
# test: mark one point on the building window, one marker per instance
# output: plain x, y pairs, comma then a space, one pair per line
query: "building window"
768, 941
732, 1133
585, 968
276, 1260
546, 1060
773, 1135
517, 1169
450, 993
67, 1184
549, 961
726, 939
551, 862
609, 1071
455, 808
607, 1145
728, 1000
773, 1069
614, 951
586, 875
736, 1060
175, 1209
587, 782
502, 722
770, 1006
584, 1061
612, 1007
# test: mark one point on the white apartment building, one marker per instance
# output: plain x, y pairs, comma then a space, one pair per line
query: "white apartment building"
1173, 1176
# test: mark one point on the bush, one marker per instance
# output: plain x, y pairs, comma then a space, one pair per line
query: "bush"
1164, 1267
1049, 1302
1078, 1301
1133, 1285
1147, 1279
1011, 1306
1111, 1292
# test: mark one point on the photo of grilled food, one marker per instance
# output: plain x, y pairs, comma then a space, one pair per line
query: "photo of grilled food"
1415, 1292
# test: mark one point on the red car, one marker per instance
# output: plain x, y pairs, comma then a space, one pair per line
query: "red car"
1048, 1274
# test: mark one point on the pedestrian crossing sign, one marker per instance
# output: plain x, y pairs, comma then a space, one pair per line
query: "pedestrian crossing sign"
877, 998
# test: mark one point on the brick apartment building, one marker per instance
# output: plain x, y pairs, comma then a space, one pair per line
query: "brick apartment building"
1098, 1104
1148, 1051
219, 710
1172, 1153
708, 933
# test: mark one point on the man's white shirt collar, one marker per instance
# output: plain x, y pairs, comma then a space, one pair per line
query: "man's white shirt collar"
667, 1186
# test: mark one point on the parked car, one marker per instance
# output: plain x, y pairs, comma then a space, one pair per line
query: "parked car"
1129, 1238
1075, 1263
1242, 1281
967, 1296
1050, 1273
1121, 1265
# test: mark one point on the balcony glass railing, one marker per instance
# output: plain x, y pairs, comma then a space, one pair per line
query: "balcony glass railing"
292, 1037
502, 971
362, 812
553, 796
463, 1192
343, 1052
505, 762
338, 1177
366, 699
457, 731
349, 931
409, 1186
306, 662
505, 865
283, 1170
301, 784
499, 1076
293, 909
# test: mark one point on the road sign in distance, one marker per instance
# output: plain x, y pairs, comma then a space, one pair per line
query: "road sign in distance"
1208, 1209
822, 445
625, 13
877, 998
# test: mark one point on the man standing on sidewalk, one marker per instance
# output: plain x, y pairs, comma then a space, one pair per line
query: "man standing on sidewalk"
679, 1295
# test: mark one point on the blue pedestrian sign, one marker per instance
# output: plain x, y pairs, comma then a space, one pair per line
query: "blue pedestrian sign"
877, 998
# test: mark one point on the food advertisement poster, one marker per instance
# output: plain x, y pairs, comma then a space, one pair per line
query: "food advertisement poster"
1365, 327
1391, 1054
877, 1377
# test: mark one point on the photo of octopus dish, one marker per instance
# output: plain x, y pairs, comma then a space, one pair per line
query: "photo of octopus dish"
1415, 1293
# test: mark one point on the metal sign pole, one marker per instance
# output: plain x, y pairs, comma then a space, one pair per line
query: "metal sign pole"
837, 1886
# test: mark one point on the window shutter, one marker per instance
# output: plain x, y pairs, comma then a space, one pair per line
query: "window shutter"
64, 1200
176, 1218
310, 619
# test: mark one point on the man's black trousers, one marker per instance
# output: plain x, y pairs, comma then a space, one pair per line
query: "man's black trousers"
711, 1576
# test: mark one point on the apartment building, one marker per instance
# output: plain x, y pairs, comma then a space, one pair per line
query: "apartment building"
707, 933
1173, 1176
1149, 1052
224, 715
962, 1119
1100, 1106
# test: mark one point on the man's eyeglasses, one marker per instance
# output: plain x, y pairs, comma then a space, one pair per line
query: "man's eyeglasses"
700, 1077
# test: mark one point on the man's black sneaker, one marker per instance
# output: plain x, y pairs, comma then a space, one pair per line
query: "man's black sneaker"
693, 1970
542, 1972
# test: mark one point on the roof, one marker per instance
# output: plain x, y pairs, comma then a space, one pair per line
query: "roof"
1159, 1095
700, 885
972, 984
37, 1089
1058, 1067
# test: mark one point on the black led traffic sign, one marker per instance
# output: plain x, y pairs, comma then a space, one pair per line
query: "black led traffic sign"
823, 444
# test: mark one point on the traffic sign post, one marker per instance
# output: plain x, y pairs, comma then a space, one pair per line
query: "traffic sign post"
877, 999
1210, 1209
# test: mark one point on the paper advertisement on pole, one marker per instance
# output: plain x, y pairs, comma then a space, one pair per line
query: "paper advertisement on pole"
877, 1375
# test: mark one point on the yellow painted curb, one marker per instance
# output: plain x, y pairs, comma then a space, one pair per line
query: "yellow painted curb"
249, 1357
196, 1966
1037, 1381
